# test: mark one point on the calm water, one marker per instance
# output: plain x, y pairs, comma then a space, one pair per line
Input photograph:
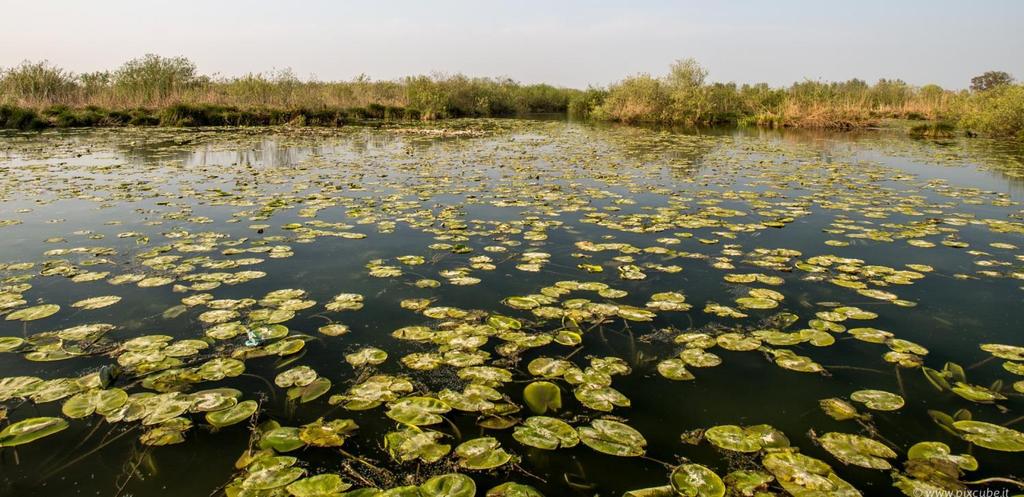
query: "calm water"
312, 210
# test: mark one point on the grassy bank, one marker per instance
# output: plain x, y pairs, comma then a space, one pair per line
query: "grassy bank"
155, 90
166, 91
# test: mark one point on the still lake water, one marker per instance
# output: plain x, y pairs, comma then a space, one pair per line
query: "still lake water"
862, 251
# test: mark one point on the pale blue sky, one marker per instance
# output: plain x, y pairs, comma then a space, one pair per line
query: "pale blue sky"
571, 43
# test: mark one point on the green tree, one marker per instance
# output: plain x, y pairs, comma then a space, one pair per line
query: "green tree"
990, 79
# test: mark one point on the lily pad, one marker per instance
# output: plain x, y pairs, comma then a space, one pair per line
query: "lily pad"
409, 444
878, 400
417, 411
325, 485
546, 433
322, 433
857, 450
512, 489
694, 480
232, 415
991, 436
449, 485
542, 396
33, 313
613, 437
29, 430
482, 453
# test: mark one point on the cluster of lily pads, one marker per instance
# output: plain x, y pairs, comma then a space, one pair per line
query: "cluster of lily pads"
604, 234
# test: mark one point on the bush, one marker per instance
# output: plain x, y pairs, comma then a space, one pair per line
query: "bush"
35, 83
153, 79
582, 104
996, 112
640, 98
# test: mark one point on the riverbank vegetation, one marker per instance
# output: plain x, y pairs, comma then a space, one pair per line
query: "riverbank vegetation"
994, 105
155, 90
168, 91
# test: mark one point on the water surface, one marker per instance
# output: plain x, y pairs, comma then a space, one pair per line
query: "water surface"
917, 239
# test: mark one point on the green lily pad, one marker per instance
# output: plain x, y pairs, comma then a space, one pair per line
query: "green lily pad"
660, 491
297, 376
745, 439
271, 478
694, 480
838, 409
366, 356
976, 393
96, 302
674, 369
102, 402
326, 485
878, 400
601, 398
940, 451
327, 434
10, 344
372, 392
857, 450
546, 433
235, 414
542, 396
512, 489
449, 485
473, 398
31, 429
990, 436
613, 437
33, 313
417, 411
411, 443
282, 439
482, 453
800, 474
747, 483
310, 392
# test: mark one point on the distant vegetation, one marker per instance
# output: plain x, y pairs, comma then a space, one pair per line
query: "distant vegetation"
155, 90
994, 106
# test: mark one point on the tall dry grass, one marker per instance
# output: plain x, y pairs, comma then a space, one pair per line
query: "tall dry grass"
156, 82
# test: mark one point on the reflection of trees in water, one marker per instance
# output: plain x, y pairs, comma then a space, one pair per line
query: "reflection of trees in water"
1003, 160
684, 150
681, 149
272, 150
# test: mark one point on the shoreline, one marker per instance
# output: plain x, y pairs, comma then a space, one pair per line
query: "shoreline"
204, 115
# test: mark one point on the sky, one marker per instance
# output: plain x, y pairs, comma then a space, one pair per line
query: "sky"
562, 42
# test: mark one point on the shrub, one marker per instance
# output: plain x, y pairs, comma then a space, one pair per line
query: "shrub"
153, 79
35, 83
996, 112
582, 104
640, 98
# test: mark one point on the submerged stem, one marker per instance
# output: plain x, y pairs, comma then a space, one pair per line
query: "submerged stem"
89, 453
996, 479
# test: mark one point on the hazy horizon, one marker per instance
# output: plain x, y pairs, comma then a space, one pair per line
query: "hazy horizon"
573, 44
